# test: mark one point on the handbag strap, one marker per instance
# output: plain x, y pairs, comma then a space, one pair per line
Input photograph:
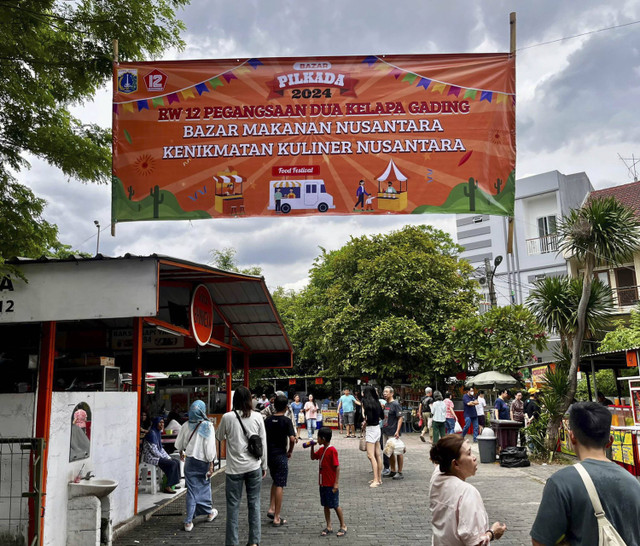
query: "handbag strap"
591, 490
240, 420
194, 431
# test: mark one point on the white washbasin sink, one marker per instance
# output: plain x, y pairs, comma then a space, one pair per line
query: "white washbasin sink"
95, 487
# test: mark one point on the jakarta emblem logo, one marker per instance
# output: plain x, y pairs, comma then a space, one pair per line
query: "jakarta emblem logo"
127, 80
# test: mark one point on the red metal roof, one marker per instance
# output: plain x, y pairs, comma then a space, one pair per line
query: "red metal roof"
627, 194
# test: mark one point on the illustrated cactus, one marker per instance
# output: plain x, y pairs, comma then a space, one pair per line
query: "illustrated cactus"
157, 200
470, 192
498, 185
131, 192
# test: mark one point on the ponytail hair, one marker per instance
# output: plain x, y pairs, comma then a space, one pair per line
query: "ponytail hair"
446, 451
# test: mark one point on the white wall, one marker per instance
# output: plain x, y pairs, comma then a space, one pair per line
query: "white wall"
113, 455
16, 418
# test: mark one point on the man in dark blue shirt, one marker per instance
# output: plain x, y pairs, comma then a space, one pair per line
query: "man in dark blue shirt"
470, 413
501, 408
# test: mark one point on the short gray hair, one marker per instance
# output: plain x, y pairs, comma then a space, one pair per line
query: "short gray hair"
428, 390
390, 389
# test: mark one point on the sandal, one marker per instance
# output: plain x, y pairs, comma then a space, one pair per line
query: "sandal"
280, 523
341, 533
326, 531
270, 515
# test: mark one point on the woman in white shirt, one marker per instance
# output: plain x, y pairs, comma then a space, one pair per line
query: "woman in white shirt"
196, 440
242, 467
458, 514
311, 414
438, 413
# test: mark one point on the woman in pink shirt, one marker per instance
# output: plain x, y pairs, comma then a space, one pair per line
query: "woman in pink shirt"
450, 416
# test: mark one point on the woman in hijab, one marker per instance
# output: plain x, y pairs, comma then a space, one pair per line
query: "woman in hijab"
153, 453
197, 442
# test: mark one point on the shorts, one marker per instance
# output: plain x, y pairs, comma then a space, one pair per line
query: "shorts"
372, 434
481, 420
279, 469
349, 417
328, 498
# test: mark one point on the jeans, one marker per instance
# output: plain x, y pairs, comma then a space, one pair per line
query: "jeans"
233, 489
450, 425
311, 427
198, 496
468, 421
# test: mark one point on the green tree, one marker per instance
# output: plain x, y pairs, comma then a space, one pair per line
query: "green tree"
500, 339
381, 304
602, 231
624, 336
226, 259
55, 54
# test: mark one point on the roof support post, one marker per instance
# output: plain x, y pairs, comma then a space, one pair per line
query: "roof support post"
588, 384
595, 383
228, 378
246, 370
43, 408
136, 384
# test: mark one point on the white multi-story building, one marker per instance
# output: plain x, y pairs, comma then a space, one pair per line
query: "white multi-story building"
540, 202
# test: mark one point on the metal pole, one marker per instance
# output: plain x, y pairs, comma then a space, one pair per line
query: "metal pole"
98, 241
595, 384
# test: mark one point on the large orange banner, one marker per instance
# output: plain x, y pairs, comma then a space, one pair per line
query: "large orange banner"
297, 136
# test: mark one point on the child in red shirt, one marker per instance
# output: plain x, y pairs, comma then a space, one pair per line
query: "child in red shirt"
328, 479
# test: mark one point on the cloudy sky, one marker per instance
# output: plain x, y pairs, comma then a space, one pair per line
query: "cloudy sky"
577, 109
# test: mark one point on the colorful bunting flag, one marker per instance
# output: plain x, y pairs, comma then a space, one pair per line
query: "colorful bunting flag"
486, 95
143, 105
202, 88
128, 107
438, 87
396, 73
173, 97
370, 60
424, 82
229, 76
255, 63
409, 77
454, 90
381, 66
470, 93
215, 82
157, 101
241, 70
501, 97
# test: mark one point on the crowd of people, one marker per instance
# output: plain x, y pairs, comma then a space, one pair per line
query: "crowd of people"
262, 436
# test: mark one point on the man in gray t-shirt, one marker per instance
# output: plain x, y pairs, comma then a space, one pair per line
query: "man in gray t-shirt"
565, 509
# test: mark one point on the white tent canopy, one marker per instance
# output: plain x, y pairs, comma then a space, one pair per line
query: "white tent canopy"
397, 175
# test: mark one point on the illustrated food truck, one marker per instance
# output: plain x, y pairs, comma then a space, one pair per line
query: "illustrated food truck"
229, 196
299, 195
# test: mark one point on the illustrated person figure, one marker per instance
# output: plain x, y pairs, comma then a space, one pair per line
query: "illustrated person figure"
347, 403
391, 429
470, 413
372, 412
311, 414
458, 514
439, 412
369, 202
566, 509
328, 478
281, 440
391, 191
243, 469
153, 453
360, 193
196, 443
424, 411
278, 197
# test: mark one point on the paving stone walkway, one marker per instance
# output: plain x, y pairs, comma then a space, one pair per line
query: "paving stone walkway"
396, 513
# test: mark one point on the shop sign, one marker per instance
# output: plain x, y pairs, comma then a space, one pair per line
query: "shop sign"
292, 381
152, 338
319, 380
622, 447
201, 315
632, 359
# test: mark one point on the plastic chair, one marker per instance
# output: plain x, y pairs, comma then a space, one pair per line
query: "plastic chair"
150, 478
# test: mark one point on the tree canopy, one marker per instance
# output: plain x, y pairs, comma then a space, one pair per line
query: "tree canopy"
500, 339
624, 336
55, 54
381, 305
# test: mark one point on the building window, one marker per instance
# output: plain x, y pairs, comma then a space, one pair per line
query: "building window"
547, 240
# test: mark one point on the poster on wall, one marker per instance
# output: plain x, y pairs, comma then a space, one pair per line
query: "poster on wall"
280, 137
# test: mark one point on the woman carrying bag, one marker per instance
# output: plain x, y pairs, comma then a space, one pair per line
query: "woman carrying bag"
197, 445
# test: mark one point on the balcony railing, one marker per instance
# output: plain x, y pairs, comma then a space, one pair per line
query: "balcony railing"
625, 296
542, 245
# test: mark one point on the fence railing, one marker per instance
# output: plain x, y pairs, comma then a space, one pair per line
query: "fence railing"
625, 296
20, 490
542, 245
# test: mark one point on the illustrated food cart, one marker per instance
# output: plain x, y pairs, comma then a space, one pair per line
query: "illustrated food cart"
229, 197
625, 429
392, 201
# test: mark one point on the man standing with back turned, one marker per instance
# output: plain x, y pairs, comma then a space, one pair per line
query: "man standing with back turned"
565, 510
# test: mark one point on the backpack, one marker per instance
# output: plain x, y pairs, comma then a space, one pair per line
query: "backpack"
254, 444
607, 534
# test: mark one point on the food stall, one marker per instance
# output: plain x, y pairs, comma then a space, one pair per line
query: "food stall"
625, 429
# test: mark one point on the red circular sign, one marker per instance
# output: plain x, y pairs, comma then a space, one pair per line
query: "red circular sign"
201, 314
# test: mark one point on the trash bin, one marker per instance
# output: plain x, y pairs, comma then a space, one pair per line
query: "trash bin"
506, 432
487, 446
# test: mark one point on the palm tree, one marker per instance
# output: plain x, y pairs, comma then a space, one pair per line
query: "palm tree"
602, 231
554, 302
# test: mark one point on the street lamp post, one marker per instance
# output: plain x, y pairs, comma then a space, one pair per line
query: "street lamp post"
98, 241
489, 273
